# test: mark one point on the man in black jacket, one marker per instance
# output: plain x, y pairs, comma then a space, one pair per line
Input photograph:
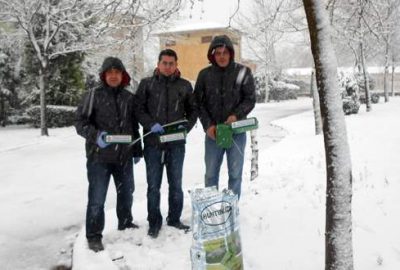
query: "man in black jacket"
161, 99
108, 110
225, 93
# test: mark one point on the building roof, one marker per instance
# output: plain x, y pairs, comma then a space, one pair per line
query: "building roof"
193, 27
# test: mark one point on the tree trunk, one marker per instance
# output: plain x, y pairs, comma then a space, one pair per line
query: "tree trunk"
42, 86
316, 106
338, 236
254, 155
393, 68
366, 81
266, 100
386, 72
3, 114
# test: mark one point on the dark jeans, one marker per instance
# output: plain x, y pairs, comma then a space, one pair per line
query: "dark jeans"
99, 177
235, 159
172, 158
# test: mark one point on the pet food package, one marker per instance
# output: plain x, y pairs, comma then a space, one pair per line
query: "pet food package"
216, 241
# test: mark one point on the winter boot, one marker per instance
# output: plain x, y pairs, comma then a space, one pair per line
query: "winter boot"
95, 244
130, 225
179, 225
153, 231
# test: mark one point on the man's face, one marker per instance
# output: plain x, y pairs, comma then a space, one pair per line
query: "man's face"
222, 56
167, 65
113, 77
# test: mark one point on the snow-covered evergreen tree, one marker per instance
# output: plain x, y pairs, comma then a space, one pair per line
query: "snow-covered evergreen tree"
9, 74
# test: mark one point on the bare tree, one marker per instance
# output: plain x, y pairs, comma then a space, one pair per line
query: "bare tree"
42, 23
353, 23
264, 25
395, 54
338, 241
386, 16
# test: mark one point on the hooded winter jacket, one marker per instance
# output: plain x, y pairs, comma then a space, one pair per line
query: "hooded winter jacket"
112, 110
221, 92
163, 100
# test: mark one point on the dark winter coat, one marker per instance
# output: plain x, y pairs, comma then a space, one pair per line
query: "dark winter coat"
112, 110
221, 92
163, 100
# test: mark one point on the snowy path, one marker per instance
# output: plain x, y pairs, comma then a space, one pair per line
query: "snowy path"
43, 194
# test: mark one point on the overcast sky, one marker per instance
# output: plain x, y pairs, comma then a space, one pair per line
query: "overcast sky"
210, 10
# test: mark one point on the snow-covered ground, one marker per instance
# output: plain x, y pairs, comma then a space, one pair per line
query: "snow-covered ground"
282, 211
43, 187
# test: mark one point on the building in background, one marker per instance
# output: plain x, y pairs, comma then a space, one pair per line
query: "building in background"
191, 43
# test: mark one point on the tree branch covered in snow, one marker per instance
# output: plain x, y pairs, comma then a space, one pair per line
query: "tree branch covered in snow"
59, 27
43, 21
264, 24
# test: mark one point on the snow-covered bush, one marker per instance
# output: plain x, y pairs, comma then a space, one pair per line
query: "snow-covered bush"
361, 84
374, 97
280, 90
261, 88
349, 89
304, 88
16, 119
350, 106
57, 116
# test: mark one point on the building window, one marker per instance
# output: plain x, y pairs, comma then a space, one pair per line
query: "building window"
206, 39
170, 43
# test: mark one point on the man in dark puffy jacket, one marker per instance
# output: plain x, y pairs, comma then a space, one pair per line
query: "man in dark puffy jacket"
225, 93
161, 99
108, 110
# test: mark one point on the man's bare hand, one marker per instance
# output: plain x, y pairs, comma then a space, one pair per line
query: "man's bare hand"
232, 118
211, 132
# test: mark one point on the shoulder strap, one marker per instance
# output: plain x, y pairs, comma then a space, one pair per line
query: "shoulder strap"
88, 105
240, 77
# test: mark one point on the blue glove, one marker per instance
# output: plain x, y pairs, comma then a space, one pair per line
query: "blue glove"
157, 128
101, 140
136, 160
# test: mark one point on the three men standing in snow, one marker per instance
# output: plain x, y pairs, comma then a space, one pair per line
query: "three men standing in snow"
165, 97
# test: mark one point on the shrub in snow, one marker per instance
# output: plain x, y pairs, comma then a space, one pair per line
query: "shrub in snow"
280, 90
374, 97
348, 86
304, 88
360, 81
350, 106
261, 88
57, 116
18, 118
